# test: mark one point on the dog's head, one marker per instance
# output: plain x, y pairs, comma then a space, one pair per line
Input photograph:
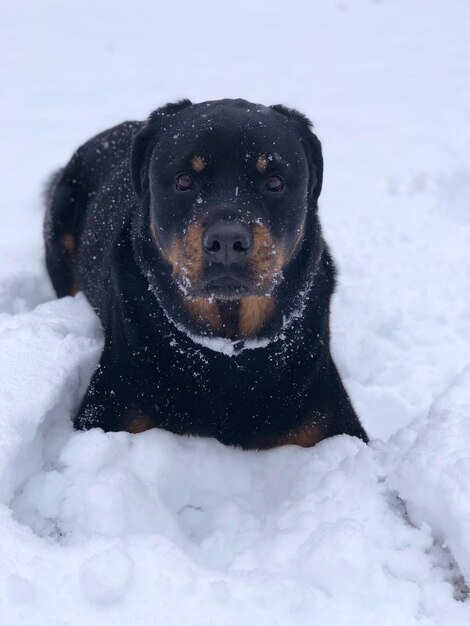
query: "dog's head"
228, 186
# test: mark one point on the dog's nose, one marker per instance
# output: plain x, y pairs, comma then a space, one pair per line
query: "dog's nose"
227, 242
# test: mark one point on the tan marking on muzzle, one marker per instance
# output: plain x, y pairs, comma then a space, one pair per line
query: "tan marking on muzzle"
185, 254
253, 314
134, 421
197, 163
171, 255
204, 311
262, 163
267, 258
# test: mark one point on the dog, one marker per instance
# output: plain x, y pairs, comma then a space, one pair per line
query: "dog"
195, 236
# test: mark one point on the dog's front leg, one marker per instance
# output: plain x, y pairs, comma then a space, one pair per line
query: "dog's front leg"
104, 402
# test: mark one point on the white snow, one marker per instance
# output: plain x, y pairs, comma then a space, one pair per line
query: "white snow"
112, 529
438, 465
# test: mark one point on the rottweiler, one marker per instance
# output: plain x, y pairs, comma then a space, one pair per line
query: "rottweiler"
195, 236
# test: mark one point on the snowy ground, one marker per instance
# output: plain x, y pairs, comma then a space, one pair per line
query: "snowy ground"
156, 529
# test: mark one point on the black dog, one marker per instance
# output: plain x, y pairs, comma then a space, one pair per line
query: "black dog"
195, 237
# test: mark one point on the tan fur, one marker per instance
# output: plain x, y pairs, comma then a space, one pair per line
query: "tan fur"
204, 310
267, 259
174, 253
191, 253
134, 421
171, 254
254, 312
185, 254
68, 242
262, 163
306, 436
186, 257
198, 164
251, 313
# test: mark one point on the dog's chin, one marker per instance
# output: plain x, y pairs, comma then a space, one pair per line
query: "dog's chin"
226, 289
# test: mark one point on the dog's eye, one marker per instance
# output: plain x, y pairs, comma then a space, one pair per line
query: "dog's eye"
184, 182
274, 183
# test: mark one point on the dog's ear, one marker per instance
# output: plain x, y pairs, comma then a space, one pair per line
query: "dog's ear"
312, 147
144, 142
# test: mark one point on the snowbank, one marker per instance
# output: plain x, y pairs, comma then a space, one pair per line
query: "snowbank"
132, 528
434, 475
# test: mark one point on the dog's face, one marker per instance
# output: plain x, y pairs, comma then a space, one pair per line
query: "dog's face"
229, 185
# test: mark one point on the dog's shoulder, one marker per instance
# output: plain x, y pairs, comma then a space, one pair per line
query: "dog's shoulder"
117, 137
91, 166
102, 154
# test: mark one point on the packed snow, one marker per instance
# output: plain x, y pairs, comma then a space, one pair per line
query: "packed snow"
112, 528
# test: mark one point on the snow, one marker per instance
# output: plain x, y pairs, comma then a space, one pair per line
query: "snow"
112, 528
438, 463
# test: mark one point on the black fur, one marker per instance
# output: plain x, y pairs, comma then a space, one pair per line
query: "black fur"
158, 362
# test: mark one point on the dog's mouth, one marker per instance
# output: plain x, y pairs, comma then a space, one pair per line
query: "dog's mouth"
226, 282
204, 272
226, 288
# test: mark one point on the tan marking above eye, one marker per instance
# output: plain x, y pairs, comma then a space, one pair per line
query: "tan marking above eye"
197, 163
262, 163
268, 257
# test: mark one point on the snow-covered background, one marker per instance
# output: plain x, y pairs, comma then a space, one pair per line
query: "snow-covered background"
110, 529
